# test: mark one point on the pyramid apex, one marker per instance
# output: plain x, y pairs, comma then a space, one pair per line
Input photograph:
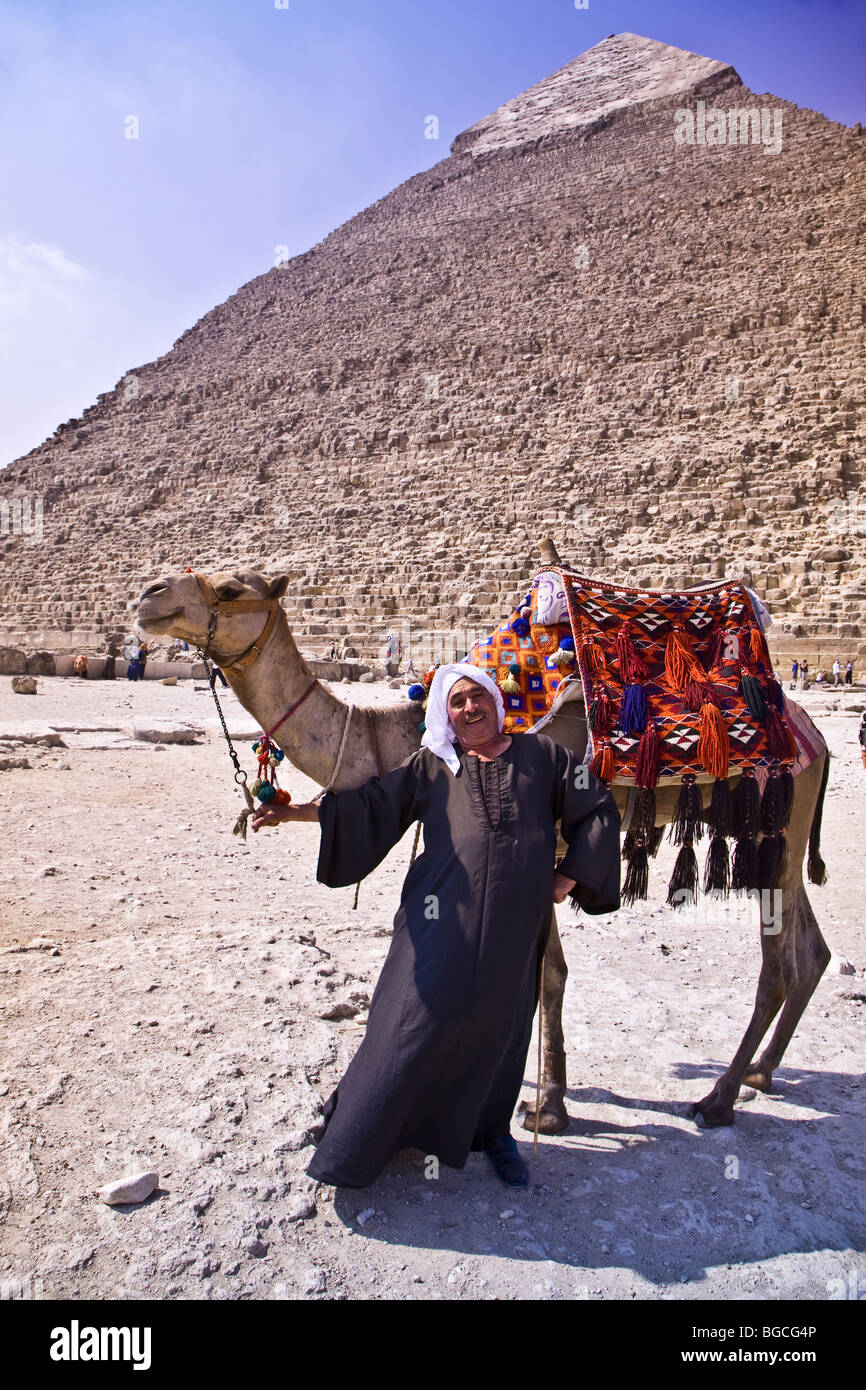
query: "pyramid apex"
622, 70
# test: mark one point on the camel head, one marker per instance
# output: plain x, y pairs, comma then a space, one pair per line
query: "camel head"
183, 606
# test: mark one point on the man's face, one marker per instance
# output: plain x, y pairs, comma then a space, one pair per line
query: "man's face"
473, 715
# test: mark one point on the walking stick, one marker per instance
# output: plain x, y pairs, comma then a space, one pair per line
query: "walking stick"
538, 1072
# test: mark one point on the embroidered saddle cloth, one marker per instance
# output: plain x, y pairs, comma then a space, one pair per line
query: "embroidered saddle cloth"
692, 668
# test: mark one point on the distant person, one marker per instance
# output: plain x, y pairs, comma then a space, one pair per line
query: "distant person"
849, 672
108, 670
837, 672
795, 666
862, 737
804, 675
79, 667
135, 666
332, 653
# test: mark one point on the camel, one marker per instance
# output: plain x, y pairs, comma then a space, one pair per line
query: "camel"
341, 747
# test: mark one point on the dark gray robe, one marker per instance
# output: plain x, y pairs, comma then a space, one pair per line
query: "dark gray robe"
441, 1065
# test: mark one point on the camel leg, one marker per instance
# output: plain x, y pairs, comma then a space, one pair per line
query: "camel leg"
776, 981
554, 1116
812, 955
786, 951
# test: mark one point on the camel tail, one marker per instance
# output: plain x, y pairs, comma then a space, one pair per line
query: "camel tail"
816, 867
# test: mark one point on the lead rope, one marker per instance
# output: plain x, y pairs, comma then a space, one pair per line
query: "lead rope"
240, 825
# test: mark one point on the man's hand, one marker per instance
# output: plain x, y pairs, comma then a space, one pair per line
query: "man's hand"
562, 886
270, 813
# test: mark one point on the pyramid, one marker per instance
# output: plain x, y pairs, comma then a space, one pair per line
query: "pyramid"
577, 324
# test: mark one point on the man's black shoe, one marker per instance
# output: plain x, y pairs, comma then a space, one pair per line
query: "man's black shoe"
507, 1163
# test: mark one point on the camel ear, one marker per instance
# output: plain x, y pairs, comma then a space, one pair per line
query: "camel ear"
278, 586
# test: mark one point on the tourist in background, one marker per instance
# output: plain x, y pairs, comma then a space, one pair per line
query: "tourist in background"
862, 736
837, 672
795, 666
849, 672
804, 675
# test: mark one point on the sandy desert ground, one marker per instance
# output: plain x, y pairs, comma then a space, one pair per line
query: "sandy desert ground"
173, 999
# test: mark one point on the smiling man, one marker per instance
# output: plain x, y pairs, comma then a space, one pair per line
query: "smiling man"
441, 1064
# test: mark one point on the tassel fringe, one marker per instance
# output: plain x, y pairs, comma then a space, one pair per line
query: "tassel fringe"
720, 814
684, 879
686, 824
717, 870
636, 883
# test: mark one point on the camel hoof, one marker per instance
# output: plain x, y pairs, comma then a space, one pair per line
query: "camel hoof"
709, 1114
761, 1080
553, 1118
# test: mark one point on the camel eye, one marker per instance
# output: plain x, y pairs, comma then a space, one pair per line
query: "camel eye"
229, 590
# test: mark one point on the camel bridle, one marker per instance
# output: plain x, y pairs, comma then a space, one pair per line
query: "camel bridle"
225, 607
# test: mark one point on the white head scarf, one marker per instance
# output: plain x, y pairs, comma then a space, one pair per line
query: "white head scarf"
439, 735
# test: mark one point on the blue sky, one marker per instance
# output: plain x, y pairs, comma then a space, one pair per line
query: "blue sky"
261, 127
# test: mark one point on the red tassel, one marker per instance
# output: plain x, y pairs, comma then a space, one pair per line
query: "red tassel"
744, 649
716, 648
631, 664
698, 693
603, 714
714, 746
593, 659
602, 765
646, 772
681, 664
756, 644
780, 740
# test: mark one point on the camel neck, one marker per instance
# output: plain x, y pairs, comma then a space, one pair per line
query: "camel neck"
275, 682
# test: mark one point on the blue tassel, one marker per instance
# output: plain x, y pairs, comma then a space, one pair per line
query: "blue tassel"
633, 710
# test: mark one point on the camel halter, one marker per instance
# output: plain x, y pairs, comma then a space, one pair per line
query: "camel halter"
216, 607
219, 607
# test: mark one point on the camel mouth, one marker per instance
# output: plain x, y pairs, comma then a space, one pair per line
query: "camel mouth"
151, 621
